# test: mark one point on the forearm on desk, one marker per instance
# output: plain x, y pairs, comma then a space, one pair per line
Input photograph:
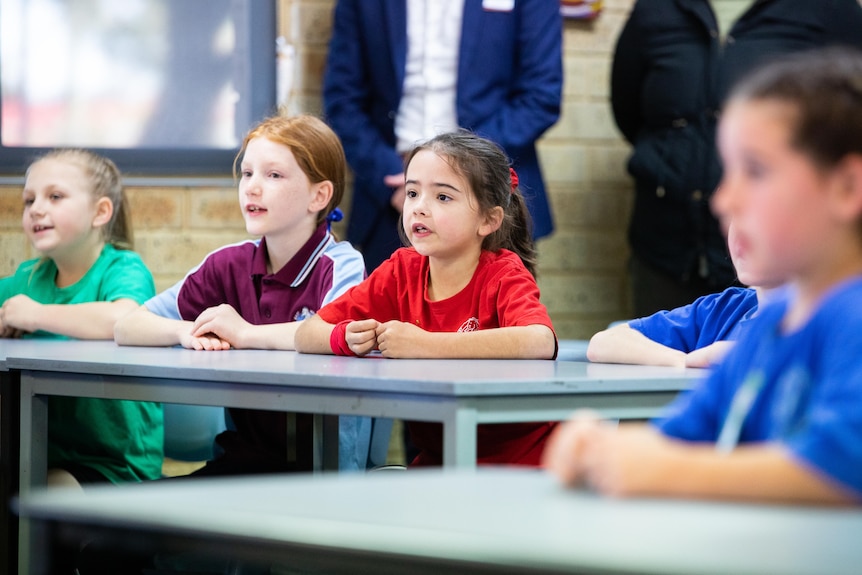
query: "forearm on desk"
278, 336
312, 336
622, 344
144, 328
765, 473
93, 320
514, 342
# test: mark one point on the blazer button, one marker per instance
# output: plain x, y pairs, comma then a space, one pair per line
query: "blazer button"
391, 114
697, 195
659, 192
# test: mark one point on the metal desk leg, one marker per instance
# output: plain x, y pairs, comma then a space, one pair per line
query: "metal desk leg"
9, 468
34, 468
459, 439
325, 442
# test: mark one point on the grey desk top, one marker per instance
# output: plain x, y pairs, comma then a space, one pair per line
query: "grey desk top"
572, 350
10, 345
434, 377
493, 517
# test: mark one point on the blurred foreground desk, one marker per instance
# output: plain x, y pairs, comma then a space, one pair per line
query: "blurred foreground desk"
451, 521
458, 393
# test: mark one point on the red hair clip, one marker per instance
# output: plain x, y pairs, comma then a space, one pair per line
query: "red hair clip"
514, 175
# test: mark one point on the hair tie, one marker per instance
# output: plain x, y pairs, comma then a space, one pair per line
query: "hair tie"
335, 215
514, 175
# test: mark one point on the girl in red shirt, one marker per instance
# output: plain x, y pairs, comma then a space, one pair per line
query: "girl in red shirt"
463, 289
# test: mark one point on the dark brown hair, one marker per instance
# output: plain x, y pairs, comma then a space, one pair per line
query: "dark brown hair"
824, 89
486, 168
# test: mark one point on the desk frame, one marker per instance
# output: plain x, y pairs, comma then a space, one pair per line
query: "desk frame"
9, 467
325, 386
460, 416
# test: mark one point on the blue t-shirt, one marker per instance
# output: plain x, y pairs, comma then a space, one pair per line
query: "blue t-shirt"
714, 317
808, 387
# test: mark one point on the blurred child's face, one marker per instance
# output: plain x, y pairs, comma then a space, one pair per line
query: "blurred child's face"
772, 192
275, 195
746, 273
440, 217
59, 208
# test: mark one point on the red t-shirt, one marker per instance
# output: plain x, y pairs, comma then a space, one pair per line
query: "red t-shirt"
502, 293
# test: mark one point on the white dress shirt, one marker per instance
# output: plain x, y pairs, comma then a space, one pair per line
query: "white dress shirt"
427, 106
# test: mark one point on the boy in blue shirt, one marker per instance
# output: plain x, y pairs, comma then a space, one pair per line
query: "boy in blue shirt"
780, 419
695, 335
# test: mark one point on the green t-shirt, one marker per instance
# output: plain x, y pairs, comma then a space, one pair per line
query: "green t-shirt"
123, 440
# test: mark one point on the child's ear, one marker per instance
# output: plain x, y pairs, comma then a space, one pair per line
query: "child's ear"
104, 211
849, 184
322, 193
493, 221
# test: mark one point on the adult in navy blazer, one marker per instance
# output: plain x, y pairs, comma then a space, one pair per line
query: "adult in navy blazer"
508, 90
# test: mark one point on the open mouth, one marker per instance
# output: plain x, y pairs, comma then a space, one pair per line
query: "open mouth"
420, 229
255, 209
37, 229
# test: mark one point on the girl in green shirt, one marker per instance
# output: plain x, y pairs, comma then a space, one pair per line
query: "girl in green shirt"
76, 216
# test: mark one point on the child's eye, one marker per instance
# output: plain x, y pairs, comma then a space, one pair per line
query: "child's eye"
275, 175
55, 197
28, 202
755, 170
245, 173
411, 193
444, 197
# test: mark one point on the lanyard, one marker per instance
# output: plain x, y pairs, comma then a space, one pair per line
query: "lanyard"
739, 409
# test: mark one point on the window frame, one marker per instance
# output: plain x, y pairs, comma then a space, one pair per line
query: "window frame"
168, 161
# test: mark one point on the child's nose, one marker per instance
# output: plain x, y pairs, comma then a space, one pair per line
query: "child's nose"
37, 208
419, 206
252, 186
723, 201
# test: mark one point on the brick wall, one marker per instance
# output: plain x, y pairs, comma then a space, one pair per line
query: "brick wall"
582, 266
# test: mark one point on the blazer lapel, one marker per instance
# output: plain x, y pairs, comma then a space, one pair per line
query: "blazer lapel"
700, 9
470, 31
395, 17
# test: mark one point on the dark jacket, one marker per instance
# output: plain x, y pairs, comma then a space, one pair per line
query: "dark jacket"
671, 74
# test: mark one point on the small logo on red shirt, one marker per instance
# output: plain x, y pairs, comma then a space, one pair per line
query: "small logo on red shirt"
471, 324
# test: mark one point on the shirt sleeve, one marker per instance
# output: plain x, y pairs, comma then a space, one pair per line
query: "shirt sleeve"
6, 288
127, 277
165, 304
517, 299
711, 318
674, 328
348, 270
694, 415
356, 302
828, 436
